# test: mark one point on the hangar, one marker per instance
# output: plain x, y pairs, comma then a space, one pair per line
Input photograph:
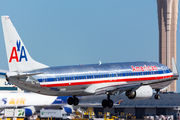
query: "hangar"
169, 104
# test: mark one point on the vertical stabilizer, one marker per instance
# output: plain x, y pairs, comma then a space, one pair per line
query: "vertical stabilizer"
17, 54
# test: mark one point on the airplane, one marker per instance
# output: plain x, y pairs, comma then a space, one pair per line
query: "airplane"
136, 79
33, 102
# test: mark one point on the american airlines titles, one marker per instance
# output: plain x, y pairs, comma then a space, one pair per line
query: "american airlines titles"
144, 68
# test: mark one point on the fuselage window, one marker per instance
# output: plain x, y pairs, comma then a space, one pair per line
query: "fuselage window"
89, 77
104, 76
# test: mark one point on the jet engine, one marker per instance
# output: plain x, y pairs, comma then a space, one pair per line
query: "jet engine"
143, 92
68, 109
29, 110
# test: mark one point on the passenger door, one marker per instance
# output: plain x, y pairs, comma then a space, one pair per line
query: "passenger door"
44, 80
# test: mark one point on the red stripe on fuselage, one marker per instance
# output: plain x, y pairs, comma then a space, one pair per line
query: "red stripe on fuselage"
105, 81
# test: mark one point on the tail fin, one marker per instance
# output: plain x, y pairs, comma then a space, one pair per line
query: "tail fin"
17, 54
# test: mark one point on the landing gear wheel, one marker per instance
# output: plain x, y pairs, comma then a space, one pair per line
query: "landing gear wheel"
70, 100
104, 103
110, 103
76, 101
107, 102
157, 96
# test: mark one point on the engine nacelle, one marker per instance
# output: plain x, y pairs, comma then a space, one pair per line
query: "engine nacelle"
68, 109
29, 110
143, 92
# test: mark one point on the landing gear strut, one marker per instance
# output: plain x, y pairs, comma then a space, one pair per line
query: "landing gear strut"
157, 96
107, 103
73, 100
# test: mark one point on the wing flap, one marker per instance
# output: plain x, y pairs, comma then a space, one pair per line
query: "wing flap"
118, 88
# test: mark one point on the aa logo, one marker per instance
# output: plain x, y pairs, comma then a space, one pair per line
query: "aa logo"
18, 49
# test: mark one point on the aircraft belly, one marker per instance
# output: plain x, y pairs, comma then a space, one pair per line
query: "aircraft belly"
160, 85
75, 87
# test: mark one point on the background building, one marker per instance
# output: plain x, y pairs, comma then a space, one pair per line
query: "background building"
167, 20
8, 87
169, 104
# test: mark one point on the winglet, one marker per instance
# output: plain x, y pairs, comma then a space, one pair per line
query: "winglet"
174, 67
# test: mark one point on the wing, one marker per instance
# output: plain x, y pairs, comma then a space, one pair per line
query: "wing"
133, 86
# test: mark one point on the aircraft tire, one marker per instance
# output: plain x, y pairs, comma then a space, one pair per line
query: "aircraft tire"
110, 103
70, 100
104, 103
76, 101
157, 96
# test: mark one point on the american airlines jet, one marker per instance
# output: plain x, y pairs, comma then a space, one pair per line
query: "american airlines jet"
136, 79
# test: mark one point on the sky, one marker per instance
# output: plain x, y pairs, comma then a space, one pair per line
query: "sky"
72, 32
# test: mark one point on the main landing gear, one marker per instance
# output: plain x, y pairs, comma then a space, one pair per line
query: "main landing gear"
157, 96
73, 100
107, 103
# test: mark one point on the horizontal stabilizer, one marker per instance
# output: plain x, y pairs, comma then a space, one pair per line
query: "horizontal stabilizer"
19, 75
3, 72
